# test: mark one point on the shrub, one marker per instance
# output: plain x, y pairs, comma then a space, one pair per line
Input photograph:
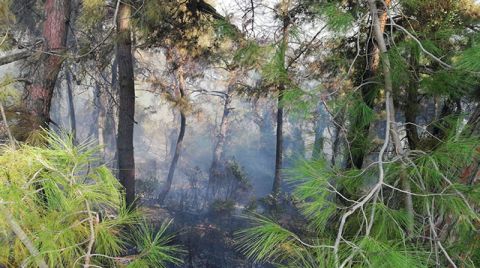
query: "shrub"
60, 211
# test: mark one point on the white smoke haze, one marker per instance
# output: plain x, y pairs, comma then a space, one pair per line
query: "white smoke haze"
249, 142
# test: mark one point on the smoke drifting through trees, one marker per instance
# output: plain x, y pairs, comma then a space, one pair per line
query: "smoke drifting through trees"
331, 124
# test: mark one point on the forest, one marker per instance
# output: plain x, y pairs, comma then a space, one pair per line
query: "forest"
240, 133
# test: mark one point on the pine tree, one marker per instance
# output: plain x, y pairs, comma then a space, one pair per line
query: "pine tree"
410, 207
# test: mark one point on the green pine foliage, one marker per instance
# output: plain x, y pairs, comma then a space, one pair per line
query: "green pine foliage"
71, 211
7, 18
336, 15
92, 14
352, 218
437, 192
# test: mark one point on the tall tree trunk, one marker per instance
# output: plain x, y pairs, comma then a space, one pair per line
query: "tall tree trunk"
38, 94
112, 113
126, 161
394, 132
369, 93
173, 165
71, 105
277, 180
178, 147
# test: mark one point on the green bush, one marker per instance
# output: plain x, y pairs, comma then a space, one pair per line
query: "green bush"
60, 211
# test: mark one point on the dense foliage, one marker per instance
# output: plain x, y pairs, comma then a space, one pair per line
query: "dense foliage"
404, 193
367, 115
60, 209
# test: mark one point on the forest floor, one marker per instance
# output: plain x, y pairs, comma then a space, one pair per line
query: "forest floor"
208, 237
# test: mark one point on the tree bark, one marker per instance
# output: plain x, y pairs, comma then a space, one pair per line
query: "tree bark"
178, 147
126, 161
112, 113
101, 116
38, 94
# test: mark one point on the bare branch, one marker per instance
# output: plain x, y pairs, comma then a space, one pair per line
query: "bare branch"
20, 233
15, 56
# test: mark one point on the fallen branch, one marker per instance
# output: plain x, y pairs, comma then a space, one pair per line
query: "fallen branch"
23, 237
15, 56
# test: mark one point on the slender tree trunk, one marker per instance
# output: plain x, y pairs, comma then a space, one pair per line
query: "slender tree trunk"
369, 93
101, 103
126, 161
411, 109
178, 147
320, 125
339, 120
38, 94
474, 121
277, 180
112, 112
71, 105
317, 144
218, 151
378, 31
411, 106
217, 167
173, 165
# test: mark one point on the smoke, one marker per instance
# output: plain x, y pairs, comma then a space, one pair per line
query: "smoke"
250, 140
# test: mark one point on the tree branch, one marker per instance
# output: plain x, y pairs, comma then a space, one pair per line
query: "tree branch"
23, 236
15, 56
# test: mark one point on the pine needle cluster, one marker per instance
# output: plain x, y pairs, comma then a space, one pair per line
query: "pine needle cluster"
60, 210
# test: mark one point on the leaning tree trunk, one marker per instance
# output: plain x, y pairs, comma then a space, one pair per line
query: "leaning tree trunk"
369, 93
38, 94
178, 147
277, 180
217, 168
126, 161
388, 85
71, 105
